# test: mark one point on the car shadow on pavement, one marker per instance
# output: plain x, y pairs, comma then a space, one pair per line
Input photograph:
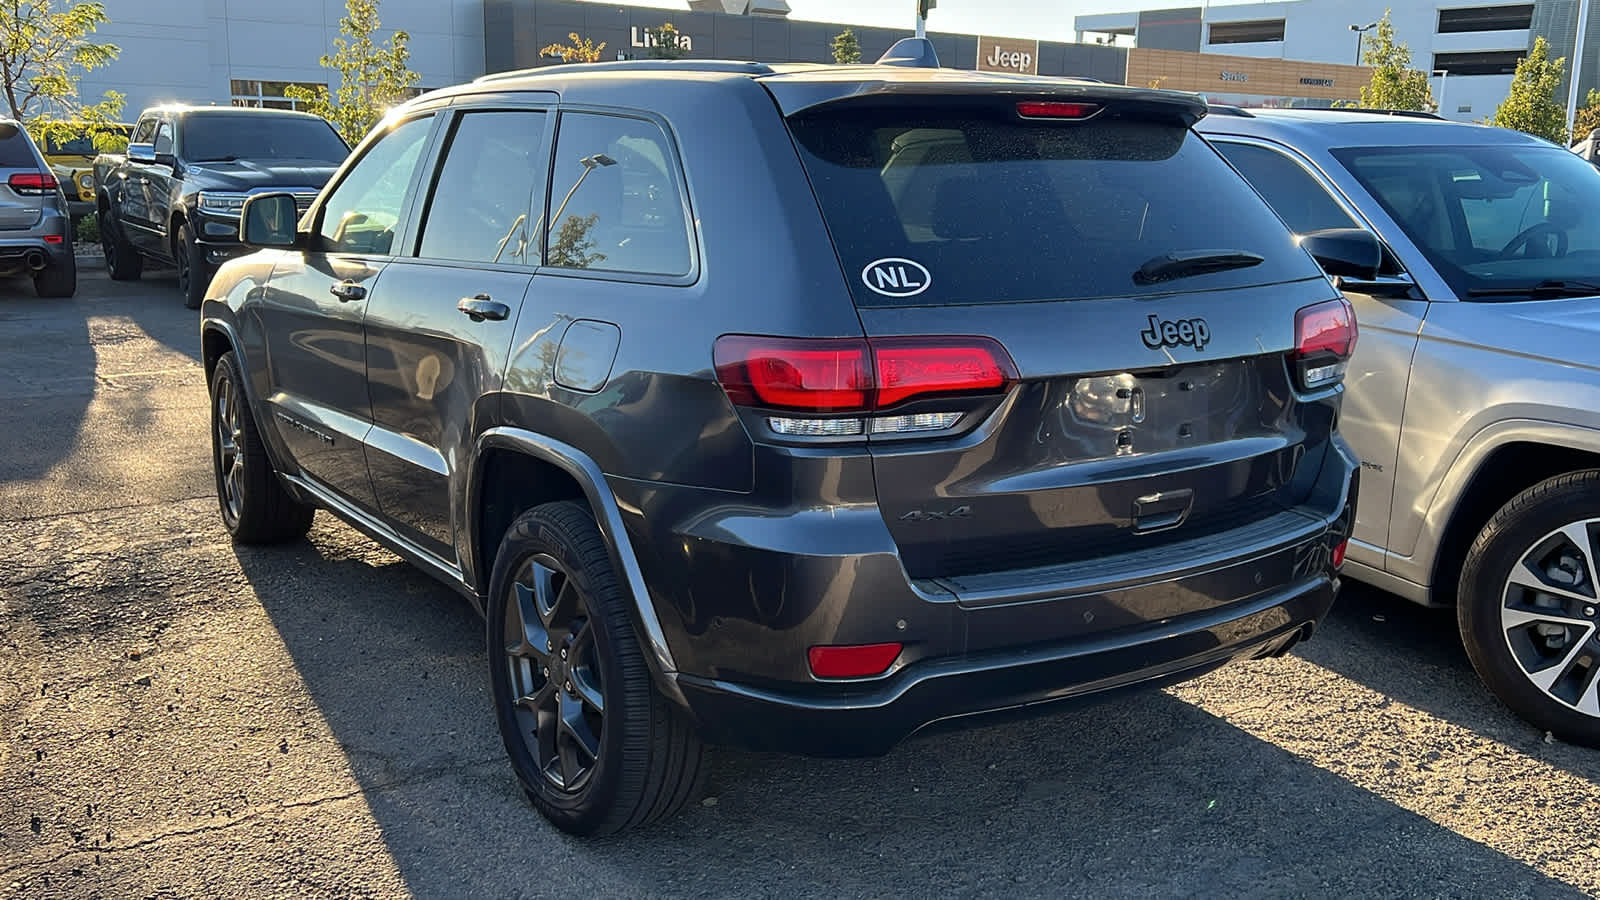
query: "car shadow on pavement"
1144, 795
1413, 654
46, 361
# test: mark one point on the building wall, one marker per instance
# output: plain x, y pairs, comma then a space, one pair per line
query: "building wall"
1224, 77
190, 50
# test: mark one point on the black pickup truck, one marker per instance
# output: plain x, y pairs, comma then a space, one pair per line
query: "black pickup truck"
175, 196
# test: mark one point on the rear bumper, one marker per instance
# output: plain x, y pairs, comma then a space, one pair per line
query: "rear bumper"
872, 720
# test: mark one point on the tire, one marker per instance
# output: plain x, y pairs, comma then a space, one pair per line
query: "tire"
1538, 650
256, 508
194, 274
123, 262
647, 761
57, 279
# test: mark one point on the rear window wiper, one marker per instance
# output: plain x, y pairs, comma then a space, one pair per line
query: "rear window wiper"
1194, 262
1544, 290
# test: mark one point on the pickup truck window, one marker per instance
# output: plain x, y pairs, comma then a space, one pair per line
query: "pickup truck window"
226, 137
363, 212
145, 131
164, 138
480, 204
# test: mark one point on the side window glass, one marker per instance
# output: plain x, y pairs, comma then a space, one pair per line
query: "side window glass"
492, 176
145, 132
363, 212
616, 203
1302, 203
164, 138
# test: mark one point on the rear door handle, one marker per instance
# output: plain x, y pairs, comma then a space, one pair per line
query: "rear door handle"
347, 291
481, 307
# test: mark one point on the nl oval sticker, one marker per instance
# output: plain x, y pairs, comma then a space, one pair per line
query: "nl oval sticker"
896, 277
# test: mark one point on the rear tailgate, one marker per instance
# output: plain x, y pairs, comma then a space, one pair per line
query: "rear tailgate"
20, 209
1147, 408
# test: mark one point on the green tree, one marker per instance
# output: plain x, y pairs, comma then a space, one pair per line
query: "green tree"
846, 48
1588, 118
572, 248
665, 42
372, 76
43, 53
1394, 84
581, 50
1531, 106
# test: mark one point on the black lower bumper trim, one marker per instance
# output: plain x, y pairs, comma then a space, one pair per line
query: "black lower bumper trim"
868, 722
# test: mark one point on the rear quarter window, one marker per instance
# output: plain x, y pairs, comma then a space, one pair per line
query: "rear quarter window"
997, 209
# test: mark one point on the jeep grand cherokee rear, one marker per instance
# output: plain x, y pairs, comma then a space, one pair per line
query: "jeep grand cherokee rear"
837, 401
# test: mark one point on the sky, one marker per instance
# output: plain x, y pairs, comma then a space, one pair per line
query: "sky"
1046, 20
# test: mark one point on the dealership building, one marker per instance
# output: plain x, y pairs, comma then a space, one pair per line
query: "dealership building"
1471, 50
246, 52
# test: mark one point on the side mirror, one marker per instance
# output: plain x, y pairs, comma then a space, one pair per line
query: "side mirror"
167, 159
1345, 252
144, 154
269, 220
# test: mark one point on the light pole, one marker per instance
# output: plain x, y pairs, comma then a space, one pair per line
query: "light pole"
1577, 69
1361, 32
589, 163
1443, 75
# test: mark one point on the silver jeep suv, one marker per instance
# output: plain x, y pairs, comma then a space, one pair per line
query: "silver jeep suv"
1474, 397
35, 237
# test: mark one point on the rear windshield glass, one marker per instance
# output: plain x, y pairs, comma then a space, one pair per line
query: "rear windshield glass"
224, 138
987, 208
83, 144
14, 152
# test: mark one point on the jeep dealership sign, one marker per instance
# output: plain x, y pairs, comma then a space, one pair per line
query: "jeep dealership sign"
1008, 55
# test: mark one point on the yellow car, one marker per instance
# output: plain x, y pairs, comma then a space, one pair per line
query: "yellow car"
72, 162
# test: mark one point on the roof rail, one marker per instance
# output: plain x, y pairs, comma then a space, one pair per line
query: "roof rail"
730, 67
1405, 113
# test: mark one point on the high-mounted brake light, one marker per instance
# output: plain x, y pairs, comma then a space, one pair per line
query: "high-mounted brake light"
852, 661
1324, 338
1056, 109
855, 375
32, 183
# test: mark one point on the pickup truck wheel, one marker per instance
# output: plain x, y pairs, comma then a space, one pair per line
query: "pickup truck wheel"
1530, 606
123, 262
57, 279
596, 747
194, 274
256, 509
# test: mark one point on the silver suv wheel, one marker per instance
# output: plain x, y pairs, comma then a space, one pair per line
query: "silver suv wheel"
1548, 615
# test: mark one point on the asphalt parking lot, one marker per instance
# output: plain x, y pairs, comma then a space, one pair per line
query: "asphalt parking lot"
180, 717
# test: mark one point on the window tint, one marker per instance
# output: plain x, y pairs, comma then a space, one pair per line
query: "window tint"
616, 203
164, 138
363, 212
998, 210
14, 150
1302, 203
226, 136
493, 171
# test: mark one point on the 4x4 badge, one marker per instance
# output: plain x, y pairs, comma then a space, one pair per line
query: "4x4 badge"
1194, 332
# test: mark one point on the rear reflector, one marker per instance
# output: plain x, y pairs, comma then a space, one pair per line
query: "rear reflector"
853, 375
1054, 109
1338, 553
1325, 336
53, 239
852, 661
32, 183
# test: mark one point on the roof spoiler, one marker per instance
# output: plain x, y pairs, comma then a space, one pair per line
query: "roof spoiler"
915, 52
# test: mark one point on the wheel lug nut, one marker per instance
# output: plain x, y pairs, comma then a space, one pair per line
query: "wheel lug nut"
549, 645
563, 653
546, 671
569, 687
1588, 611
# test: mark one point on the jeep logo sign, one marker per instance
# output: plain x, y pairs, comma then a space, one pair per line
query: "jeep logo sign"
1008, 55
1161, 333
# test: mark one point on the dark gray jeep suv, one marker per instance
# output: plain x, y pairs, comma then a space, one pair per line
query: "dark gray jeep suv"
795, 407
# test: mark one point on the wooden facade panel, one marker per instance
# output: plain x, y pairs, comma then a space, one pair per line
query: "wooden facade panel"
1211, 73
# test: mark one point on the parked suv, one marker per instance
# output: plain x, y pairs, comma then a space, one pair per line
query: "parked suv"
35, 232
175, 196
1475, 403
830, 403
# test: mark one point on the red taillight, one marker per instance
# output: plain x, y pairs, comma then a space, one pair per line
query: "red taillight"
855, 375
1338, 553
852, 661
1055, 109
1324, 338
32, 182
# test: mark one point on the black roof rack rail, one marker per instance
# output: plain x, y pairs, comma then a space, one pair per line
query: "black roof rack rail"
1221, 109
1405, 113
727, 66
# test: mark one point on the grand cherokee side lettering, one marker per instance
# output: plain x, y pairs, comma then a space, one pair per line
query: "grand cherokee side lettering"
1193, 332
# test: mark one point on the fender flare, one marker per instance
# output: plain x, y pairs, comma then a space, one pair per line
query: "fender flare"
608, 516
1446, 497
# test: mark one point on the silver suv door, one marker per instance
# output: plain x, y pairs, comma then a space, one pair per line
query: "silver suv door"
21, 205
